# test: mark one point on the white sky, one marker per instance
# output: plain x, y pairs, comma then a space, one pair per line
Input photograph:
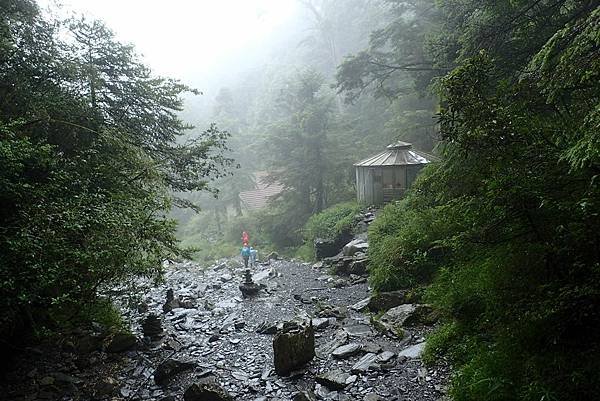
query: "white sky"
186, 39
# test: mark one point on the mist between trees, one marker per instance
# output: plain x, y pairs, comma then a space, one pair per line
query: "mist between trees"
501, 235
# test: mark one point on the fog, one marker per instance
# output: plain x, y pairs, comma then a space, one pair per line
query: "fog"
190, 40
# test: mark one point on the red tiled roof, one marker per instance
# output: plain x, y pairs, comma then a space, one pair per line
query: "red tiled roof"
259, 197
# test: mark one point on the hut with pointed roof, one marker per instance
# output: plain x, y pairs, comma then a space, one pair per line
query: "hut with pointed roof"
387, 175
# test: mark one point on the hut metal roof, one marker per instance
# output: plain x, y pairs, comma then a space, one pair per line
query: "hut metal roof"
397, 154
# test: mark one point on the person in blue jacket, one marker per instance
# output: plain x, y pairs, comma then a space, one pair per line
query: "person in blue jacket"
253, 256
245, 254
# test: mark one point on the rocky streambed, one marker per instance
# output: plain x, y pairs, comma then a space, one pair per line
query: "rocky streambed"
205, 341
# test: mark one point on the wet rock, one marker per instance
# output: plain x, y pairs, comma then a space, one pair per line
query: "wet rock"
325, 248
105, 387
346, 351
361, 306
373, 397
422, 315
169, 369
121, 342
371, 348
333, 379
365, 363
386, 300
226, 277
304, 396
413, 352
88, 343
266, 328
338, 312
359, 330
206, 392
395, 318
385, 357
340, 338
293, 348
320, 323
358, 266
272, 256
152, 326
354, 246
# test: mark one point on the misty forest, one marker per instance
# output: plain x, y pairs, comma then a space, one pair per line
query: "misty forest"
300, 200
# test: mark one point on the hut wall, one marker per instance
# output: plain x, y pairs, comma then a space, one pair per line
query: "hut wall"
377, 185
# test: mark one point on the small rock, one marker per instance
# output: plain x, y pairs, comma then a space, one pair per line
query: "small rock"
267, 328
304, 396
385, 357
333, 379
413, 352
364, 364
361, 306
346, 351
105, 387
372, 397
169, 369
372, 348
206, 392
320, 323
47, 381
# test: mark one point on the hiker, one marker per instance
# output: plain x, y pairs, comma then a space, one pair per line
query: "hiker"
245, 254
253, 256
245, 238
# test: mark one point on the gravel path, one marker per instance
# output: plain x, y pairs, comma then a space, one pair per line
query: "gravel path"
217, 331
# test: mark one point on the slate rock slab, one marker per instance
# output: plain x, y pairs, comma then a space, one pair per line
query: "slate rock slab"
346, 351
364, 363
333, 379
413, 352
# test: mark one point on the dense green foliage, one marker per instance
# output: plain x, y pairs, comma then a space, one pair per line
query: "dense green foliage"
505, 227
88, 157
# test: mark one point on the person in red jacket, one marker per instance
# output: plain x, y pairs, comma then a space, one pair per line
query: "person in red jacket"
245, 238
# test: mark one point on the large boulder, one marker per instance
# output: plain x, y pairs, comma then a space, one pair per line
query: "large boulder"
328, 247
355, 246
293, 347
358, 266
384, 301
121, 342
206, 392
407, 315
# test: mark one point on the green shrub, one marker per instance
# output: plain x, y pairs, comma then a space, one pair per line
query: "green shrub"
329, 224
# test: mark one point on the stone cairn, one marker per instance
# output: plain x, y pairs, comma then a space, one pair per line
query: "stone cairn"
249, 287
152, 326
